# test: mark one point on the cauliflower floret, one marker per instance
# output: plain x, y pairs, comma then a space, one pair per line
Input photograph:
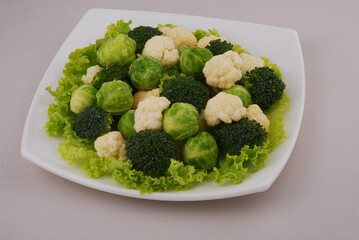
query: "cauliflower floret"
203, 42
148, 115
142, 95
91, 72
224, 107
180, 36
250, 62
163, 49
254, 112
111, 144
223, 70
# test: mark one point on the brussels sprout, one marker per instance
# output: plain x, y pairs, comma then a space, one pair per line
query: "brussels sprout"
82, 97
201, 151
242, 93
180, 121
146, 73
115, 97
193, 60
117, 51
126, 123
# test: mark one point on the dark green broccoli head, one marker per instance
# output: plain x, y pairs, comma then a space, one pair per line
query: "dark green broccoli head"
264, 85
151, 152
142, 34
232, 137
109, 74
92, 122
218, 47
186, 90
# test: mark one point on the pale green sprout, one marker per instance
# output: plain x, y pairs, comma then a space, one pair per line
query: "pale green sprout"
180, 121
82, 97
242, 93
201, 151
126, 124
192, 61
115, 97
119, 51
146, 73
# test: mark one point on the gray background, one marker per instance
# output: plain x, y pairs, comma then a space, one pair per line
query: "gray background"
315, 197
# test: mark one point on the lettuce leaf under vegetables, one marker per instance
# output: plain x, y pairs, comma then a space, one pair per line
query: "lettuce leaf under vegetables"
238, 49
121, 27
80, 60
199, 34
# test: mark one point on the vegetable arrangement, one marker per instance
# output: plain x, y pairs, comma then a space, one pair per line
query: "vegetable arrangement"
162, 108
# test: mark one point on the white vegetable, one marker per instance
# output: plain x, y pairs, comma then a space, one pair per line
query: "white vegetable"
91, 72
254, 112
180, 36
250, 62
111, 144
163, 49
224, 107
148, 115
223, 70
203, 42
142, 95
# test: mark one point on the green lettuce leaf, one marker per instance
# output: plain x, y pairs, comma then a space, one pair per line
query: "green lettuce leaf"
238, 49
179, 177
121, 27
80, 60
166, 25
199, 34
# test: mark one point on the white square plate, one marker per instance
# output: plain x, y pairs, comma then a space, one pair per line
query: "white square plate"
280, 45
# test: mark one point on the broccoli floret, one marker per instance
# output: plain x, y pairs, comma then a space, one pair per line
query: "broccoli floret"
92, 122
109, 74
232, 137
186, 90
142, 34
218, 47
264, 85
151, 152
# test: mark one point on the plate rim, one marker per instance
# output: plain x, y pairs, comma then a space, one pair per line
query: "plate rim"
163, 196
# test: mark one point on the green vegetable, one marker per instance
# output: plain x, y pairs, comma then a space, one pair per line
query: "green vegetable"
166, 25
146, 73
126, 123
231, 138
80, 61
151, 152
187, 90
115, 97
272, 66
121, 27
238, 49
201, 151
192, 61
142, 34
110, 74
119, 51
199, 34
180, 121
242, 93
92, 122
264, 85
218, 47
173, 72
82, 97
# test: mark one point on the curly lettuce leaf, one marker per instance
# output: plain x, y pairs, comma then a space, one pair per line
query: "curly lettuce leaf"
179, 177
59, 114
238, 49
121, 27
199, 34
80, 60
231, 168
166, 25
